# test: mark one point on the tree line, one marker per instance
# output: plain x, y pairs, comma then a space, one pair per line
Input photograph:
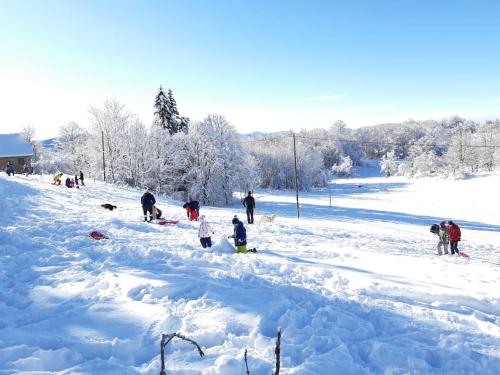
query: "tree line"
209, 160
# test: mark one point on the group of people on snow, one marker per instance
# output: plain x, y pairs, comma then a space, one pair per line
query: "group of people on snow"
448, 234
10, 169
205, 231
69, 182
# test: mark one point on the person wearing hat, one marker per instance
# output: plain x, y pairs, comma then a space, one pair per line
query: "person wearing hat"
204, 233
239, 235
148, 201
455, 236
249, 204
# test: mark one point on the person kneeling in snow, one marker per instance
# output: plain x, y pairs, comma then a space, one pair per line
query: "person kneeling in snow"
157, 213
204, 233
240, 236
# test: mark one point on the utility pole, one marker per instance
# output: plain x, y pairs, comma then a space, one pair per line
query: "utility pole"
296, 176
103, 160
330, 193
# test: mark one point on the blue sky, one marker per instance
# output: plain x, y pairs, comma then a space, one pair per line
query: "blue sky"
266, 65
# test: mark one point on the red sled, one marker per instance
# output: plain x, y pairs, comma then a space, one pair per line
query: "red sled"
169, 222
97, 235
461, 254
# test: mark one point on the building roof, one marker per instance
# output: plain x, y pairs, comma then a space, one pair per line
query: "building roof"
13, 145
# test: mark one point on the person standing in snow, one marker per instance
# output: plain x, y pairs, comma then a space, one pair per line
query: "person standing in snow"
148, 201
81, 178
204, 233
455, 236
444, 238
26, 169
9, 169
249, 203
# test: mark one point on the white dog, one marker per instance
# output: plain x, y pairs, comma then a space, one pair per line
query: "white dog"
267, 218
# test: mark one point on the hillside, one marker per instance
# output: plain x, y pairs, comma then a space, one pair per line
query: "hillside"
357, 287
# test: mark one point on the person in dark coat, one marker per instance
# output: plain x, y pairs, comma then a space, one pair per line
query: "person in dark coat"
81, 178
239, 235
148, 201
249, 203
68, 183
76, 179
455, 236
10, 168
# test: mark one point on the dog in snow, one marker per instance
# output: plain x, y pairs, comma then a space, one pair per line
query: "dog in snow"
108, 206
267, 218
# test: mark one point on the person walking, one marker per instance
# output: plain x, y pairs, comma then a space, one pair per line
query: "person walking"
455, 236
249, 203
204, 233
444, 238
147, 201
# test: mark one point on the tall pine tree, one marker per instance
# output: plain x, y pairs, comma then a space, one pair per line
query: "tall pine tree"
162, 112
167, 114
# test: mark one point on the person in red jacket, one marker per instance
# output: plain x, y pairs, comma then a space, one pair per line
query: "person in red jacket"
455, 236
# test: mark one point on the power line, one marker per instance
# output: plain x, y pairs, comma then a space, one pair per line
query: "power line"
363, 143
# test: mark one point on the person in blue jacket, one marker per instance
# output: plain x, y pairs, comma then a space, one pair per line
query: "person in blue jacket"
148, 201
240, 236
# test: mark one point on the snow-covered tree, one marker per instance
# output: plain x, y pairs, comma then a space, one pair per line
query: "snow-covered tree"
344, 168
166, 113
387, 164
162, 111
218, 163
111, 127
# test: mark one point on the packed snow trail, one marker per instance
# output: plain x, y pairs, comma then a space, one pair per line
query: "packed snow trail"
356, 288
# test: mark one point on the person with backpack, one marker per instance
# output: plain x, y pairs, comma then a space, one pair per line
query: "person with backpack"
204, 233
444, 238
455, 236
148, 201
249, 204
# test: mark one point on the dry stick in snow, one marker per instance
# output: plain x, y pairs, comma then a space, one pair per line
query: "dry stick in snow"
277, 352
246, 363
165, 339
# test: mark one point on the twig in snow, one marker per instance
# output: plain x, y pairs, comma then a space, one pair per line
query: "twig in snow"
246, 362
277, 352
165, 339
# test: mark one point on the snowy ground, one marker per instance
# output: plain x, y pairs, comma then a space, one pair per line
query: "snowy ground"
356, 287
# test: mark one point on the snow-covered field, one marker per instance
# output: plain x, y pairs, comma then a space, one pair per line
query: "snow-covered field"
357, 287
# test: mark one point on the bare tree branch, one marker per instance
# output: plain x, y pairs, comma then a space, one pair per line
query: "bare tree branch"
165, 339
246, 362
277, 352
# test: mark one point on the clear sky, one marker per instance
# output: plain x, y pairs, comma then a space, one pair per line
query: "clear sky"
267, 65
